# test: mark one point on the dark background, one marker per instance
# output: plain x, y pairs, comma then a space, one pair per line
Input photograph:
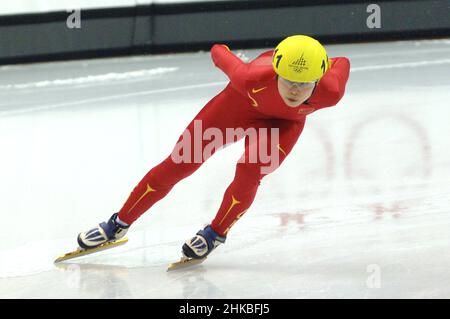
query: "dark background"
158, 28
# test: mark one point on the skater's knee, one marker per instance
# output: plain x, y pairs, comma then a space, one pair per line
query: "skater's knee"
249, 173
168, 173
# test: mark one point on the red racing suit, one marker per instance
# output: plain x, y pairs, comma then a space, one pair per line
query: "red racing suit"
250, 101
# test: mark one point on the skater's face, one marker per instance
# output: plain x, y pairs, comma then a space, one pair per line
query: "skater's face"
294, 94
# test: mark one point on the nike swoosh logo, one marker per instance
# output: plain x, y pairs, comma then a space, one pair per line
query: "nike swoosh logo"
258, 90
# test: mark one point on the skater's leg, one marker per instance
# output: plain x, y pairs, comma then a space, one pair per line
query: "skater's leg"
220, 113
240, 194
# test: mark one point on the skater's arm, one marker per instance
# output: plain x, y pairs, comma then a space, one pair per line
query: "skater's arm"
225, 60
238, 72
331, 87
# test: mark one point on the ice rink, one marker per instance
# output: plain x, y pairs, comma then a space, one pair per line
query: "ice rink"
359, 209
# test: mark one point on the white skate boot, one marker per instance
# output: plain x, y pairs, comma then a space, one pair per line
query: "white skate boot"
203, 243
196, 249
103, 233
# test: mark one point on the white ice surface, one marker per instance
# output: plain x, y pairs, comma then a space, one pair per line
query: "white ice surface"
360, 208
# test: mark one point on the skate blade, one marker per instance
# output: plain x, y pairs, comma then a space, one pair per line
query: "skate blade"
185, 262
83, 252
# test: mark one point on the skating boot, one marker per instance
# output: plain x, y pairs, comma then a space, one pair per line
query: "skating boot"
202, 244
196, 249
105, 232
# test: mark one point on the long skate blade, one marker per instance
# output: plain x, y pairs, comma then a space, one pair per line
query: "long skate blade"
83, 252
185, 262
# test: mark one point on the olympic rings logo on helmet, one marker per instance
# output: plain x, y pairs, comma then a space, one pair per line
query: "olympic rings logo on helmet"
300, 59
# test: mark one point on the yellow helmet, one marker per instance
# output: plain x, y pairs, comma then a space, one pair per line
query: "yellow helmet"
300, 58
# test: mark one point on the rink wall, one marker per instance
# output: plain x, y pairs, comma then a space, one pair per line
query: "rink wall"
157, 27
